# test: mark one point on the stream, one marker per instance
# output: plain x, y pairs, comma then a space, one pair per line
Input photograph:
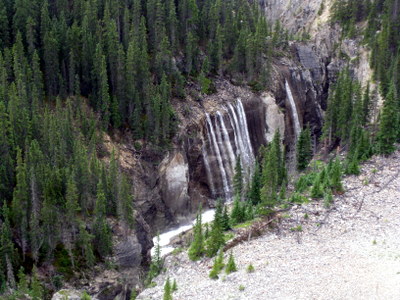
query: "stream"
166, 237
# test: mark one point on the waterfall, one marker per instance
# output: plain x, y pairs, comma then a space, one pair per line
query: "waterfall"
227, 141
218, 156
208, 169
227, 138
295, 116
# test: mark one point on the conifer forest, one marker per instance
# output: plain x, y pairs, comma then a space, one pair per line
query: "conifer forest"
152, 76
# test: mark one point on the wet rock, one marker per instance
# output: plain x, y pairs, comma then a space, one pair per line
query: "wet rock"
174, 175
128, 252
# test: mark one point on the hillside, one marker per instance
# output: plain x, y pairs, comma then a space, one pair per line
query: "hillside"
347, 251
120, 120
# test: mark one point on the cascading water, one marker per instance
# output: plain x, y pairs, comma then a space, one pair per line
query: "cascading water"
295, 115
227, 138
217, 152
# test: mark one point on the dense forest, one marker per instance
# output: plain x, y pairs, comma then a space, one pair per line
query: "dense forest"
72, 69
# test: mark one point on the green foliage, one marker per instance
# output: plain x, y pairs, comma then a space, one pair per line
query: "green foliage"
250, 268
156, 264
85, 296
335, 176
226, 224
304, 150
254, 195
167, 290
216, 239
217, 266
238, 179
389, 124
238, 213
273, 172
196, 249
174, 286
133, 294
328, 199
231, 265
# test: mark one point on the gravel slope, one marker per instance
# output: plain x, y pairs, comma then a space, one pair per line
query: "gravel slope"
350, 251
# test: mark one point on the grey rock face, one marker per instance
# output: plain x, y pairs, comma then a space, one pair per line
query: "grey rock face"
128, 252
174, 182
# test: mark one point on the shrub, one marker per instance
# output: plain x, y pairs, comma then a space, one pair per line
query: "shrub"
250, 268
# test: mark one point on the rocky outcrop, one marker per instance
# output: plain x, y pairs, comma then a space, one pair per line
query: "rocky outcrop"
174, 181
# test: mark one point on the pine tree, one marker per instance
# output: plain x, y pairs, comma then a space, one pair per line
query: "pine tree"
196, 249
218, 265
125, 204
167, 290
216, 239
254, 193
6, 161
72, 208
388, 126
231, 265
304, 150
7, 252
22, 281
237, 214
238, 178
225, 219
133, 294
85, 244
101, 230
317, 190
37, 292
273, 173
335, 176
174, 287
20, 202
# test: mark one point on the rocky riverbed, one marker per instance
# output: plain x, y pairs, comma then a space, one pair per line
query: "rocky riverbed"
348, 251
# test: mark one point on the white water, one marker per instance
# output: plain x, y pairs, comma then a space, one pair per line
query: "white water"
225, 148
219, 158
250, 160
227, 142
166, 237
208, 169
295, 115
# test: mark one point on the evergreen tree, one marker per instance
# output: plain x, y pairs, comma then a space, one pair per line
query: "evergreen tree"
216, 239
336, 176
225, 219
167, 290
237, 214
102, 232
125, 204
174, 287
20, 202
238, 178
196, 249
254, 193
273, 173
7, 252
85, 244
388, 126
6, 161
217, 266
304, 149
231, 265
37, 292
317, 190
